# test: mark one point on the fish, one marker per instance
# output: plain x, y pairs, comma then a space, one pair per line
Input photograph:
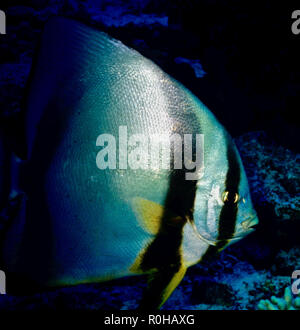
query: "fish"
82, 218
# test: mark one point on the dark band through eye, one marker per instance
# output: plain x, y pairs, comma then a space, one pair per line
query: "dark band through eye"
229, 211
230, 197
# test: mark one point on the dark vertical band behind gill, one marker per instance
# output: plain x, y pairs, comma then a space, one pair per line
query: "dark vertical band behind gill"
165, 248
228, 214
164, 252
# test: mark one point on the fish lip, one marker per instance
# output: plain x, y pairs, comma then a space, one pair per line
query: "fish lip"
245, 232
249, 223
248, 227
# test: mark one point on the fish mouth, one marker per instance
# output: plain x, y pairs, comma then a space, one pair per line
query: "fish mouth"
248, 226
250, 223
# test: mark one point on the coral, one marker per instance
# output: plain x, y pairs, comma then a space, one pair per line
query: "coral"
286, 262
287, 302
273, 172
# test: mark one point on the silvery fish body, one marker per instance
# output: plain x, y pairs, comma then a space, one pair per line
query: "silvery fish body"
80, 223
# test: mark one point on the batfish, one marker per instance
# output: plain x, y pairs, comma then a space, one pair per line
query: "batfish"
93, 208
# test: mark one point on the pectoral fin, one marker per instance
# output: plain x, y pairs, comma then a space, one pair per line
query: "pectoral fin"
150, 215
161, 284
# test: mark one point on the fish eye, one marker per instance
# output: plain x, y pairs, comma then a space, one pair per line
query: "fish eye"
225, 197
236, 197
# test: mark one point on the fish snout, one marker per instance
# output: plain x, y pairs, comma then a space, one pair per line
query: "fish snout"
250, 223
246, 227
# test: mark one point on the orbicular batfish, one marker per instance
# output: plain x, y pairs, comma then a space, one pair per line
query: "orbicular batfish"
97, 205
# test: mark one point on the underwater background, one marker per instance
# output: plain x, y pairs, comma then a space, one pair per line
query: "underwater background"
242, 60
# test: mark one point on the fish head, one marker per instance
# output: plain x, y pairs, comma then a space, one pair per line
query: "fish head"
223, 209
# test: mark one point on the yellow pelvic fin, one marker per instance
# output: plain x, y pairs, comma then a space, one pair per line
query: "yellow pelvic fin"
148, 213
136, 266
